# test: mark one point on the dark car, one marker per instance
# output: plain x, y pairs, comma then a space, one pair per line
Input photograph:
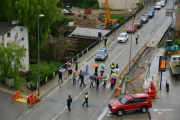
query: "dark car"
101, 54
152, 9
150, 14
138, 23
145, 18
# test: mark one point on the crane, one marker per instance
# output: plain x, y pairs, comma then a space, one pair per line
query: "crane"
108, 20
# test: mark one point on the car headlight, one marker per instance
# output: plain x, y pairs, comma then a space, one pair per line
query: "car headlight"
102, 56
114, 107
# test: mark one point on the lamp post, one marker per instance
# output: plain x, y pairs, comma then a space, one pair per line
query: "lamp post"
125, 14
38, 16
131, 46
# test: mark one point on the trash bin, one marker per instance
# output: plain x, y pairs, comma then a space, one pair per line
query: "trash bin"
9, 81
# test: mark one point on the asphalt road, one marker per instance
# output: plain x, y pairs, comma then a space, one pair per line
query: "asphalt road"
53, 106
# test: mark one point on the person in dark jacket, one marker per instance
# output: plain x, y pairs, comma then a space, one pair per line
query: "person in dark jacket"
80, 74
92, 81
86, 100
76, 68
97, 83
69, 101
117, 66
102, 71
112, 82
60, 76
69, 73
82, 80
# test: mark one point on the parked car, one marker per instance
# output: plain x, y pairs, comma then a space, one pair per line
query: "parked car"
131, 28
140, 101
158, 5
123, 37
101, 54
138, 23
150, 14
152, 9
163, 3
145, 18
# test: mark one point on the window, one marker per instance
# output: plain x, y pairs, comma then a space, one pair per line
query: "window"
140, 99
174, 58
130, 101
178, 58
22, 39
8, 34
21, 29
122, 100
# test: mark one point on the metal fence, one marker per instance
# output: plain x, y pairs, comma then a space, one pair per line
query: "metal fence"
78, 56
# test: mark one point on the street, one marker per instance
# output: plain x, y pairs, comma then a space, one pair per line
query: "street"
53, 106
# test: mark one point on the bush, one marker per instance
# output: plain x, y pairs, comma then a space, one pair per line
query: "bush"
45, 70
177, 42
17, 81
139, 5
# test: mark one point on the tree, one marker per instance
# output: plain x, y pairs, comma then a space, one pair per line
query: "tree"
11, 59
26, 12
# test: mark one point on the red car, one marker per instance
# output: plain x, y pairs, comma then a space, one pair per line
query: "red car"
131, 28
140, 101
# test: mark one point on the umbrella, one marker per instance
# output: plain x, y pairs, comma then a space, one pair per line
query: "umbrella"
66, 58
76, 62
105, 77
84, 73
114, 76
75, 71
102, 64
95, 65
98, 77
62, 70
115, 70
86, 63
69, 68
92, 77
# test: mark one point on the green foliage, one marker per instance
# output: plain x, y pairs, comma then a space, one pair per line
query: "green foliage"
11, 57
139, 5
177, 42
45, 70
26, 12
17, 81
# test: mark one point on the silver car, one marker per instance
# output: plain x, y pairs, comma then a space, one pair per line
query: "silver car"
123, 37
145, 18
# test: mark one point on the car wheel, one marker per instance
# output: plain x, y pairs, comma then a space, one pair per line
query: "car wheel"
120, 112
144, 109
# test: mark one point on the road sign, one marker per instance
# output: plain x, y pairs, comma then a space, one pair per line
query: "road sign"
128, 78
169, 12
162, 63
15, 22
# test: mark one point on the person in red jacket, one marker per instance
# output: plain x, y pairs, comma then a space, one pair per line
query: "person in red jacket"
112, 82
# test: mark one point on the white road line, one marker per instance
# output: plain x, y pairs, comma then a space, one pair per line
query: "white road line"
102, 115
19, 118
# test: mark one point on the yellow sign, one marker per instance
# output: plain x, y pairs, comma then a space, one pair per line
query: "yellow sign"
163, 64
128, 78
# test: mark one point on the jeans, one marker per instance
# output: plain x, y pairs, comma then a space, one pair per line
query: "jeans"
74, 81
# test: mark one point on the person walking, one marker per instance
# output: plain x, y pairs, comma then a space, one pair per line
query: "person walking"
96, 71
102, 71
105, 40
76, 67
137, 39
112, 82
112, 67
92, 81
80, 74
86, 100
104, 85
117, 66
86, 68
97, 83
134, 15
82, 81
74, 78
69, 73
69, 101
60, 76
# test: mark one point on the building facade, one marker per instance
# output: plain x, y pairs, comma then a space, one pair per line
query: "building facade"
120, 4
18, 34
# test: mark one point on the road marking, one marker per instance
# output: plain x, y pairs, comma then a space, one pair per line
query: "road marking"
102, 115
19, 118
160, 111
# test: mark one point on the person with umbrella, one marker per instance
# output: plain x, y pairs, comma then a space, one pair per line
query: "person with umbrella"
76, 67
60, 77
74, 78
112, 82
97, 83
86, 68
92, 81
96, 71
82, 81
80, 74
102, 71
69, 72
69, 101
92, 77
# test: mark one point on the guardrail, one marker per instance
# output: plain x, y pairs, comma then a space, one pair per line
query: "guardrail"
78, 56
126, 69
163, 37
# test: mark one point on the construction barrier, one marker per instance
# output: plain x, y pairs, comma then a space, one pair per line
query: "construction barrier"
125, 70
33, 100
15, 96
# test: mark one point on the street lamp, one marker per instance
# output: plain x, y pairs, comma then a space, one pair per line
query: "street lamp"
38, 16
131, 44
125, 14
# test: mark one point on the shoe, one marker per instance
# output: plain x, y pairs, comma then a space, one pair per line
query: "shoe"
87, 106
83, 105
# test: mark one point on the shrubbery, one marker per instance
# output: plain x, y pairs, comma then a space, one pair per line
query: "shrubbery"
45, 70
120, 18
177, 42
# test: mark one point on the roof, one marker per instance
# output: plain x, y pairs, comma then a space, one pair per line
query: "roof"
101, 49
88, 32
5, 27
123, 33
138, 95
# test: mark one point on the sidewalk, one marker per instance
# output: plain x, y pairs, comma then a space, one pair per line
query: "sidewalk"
54, 82
166, 106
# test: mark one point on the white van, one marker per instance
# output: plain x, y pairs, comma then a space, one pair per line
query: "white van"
163, 2
158, 5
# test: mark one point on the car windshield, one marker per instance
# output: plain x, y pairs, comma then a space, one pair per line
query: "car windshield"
149, 12
143, 17
100, 52
151, 8
137, 21
158, 4
130, 27
122, 35
122, 100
